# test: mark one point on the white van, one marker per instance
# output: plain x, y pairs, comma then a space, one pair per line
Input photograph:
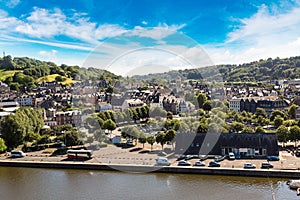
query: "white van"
231, 156
162, 161
17, 154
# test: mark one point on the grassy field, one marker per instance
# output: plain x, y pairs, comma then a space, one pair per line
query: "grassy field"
51, 78
5, 74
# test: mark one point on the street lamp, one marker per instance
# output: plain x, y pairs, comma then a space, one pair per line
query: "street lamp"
63, 132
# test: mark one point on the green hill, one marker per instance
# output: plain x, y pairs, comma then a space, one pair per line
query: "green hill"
262, 70
24, 72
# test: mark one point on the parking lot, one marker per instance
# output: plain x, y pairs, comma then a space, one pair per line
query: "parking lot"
143, 156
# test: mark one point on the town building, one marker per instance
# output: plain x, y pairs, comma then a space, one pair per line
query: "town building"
25, 100
69, 117
235, 104
243, 145
132, 103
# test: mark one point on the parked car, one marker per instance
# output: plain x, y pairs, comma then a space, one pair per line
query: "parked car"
266, 165
17, 154
273, 158
249, 166
189, 157
199, 163
219, 158
214, 164
184, 163
162, 161
179, 157
203, 157
231, 156
162, 153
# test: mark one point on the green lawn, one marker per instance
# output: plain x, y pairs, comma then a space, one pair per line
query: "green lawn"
4, 74
51, 78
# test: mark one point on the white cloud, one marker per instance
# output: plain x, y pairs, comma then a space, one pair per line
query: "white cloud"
12, 3
161, 31
43, 25
263, 24
268, 33
48, 53
7, 23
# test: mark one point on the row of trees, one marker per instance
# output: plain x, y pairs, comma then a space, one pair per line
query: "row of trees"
132, 132
269, 69
24, 125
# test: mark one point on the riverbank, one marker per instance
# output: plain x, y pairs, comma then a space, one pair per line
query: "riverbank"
267, 173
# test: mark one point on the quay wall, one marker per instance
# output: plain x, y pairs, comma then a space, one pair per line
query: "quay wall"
271, 173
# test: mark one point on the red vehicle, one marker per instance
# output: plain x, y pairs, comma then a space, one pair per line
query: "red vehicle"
80, 154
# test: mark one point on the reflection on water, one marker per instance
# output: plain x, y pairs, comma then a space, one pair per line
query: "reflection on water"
26, 183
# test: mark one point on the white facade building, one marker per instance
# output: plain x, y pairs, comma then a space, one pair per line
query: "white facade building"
235, 104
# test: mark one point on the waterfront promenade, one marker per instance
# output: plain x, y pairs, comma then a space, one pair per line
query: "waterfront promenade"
136, 159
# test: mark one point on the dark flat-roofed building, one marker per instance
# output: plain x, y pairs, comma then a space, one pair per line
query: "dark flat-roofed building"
243, 145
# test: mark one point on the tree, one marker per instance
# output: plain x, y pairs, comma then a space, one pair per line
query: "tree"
295, 134
14, 129
214, 127
2, 145
278, 121
151, 140
109, 89
292, 111
260, 112
90, 139
201, 98
282, 134
277, 112
59, 79
99, 135
172, 124
170, 135
160, 139
143, 139
71, 138
247, 130
207, 105
110, 125
157, 112
260, 129
131, 132
236, 127
202, 128
184, 128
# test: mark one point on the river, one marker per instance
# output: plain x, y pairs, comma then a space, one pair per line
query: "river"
43, 184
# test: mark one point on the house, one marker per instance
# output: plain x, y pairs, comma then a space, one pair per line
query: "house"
235, 104
154, 105
9, 106
51, 123
103, 106
269, 105
182, 107
171, 105
4, 88
69, 117
116, 101
25, 100
297, 113
248, 104
243, 145
132, 103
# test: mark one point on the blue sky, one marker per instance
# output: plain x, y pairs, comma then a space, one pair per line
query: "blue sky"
229, 31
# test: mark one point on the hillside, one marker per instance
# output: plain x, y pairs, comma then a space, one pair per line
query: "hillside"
262, 70
24, 72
